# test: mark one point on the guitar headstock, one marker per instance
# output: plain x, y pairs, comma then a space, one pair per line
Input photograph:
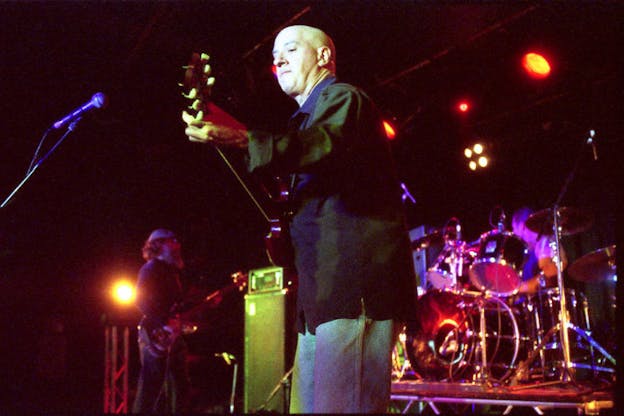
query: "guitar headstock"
197, 81
240, 280
197, 87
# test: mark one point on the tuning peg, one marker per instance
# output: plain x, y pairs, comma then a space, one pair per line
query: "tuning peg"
191, 95
204, 56
210, 81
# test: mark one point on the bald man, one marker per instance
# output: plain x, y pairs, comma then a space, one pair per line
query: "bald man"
356, 285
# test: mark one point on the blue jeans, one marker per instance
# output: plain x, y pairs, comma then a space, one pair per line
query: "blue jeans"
164, 383
345, 367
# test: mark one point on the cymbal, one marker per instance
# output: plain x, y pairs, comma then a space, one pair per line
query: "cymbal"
596, 266
572, 221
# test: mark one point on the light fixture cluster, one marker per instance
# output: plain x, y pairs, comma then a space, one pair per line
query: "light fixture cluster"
476, 157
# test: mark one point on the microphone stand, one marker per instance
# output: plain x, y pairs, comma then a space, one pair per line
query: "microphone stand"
564, 323
31, 170
285, 383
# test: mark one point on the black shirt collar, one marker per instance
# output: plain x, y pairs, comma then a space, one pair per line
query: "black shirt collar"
310, 102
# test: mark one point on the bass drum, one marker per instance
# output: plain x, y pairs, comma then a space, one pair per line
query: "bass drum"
437, 341
443, 342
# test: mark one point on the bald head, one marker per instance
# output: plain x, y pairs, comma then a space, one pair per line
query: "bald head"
314, 37
303, 56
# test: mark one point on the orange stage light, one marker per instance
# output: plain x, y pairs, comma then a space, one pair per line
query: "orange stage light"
536, 65
123, 292
390, 131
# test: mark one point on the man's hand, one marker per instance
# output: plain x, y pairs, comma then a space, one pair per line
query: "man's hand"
199, 130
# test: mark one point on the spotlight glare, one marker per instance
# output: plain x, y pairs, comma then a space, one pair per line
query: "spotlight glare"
536, 65
483, 161
463, 106
472, 165
478, 148
468, 153
390, 132
123, 292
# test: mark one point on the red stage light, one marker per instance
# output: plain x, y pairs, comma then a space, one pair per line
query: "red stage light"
536, 65
463, 106
390, 131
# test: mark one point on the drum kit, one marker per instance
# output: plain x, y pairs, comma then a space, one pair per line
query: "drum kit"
471, 324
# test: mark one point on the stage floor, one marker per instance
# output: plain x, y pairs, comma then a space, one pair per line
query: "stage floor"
541, 397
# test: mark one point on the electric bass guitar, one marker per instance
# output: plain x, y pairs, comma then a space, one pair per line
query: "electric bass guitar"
162, 338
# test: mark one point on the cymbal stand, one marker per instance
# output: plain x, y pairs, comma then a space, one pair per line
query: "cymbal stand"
563, 315
567, 375
484, 370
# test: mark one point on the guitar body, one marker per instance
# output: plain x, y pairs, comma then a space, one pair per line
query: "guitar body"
160, 339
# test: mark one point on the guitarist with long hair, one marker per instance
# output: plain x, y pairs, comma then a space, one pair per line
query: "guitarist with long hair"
164, 383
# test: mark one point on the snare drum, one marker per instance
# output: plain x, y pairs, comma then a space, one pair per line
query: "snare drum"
497, 268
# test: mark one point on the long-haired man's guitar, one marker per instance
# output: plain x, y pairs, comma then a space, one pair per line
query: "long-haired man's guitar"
162, 338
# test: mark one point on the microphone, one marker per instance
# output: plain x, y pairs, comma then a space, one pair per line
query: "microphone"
406, 194
590, 140
98, 100
229, 358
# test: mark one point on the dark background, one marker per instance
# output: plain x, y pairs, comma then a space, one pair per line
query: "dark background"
80, 220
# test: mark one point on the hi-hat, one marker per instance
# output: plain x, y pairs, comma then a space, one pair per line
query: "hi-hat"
571, 221
596, 266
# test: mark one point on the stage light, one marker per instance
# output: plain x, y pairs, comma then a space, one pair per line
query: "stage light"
536, 65
274, 70
390, 131
123, 292
477, 156
463, 106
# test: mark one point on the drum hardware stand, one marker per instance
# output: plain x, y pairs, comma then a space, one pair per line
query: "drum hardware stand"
568, 370
484, 375
484, 370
